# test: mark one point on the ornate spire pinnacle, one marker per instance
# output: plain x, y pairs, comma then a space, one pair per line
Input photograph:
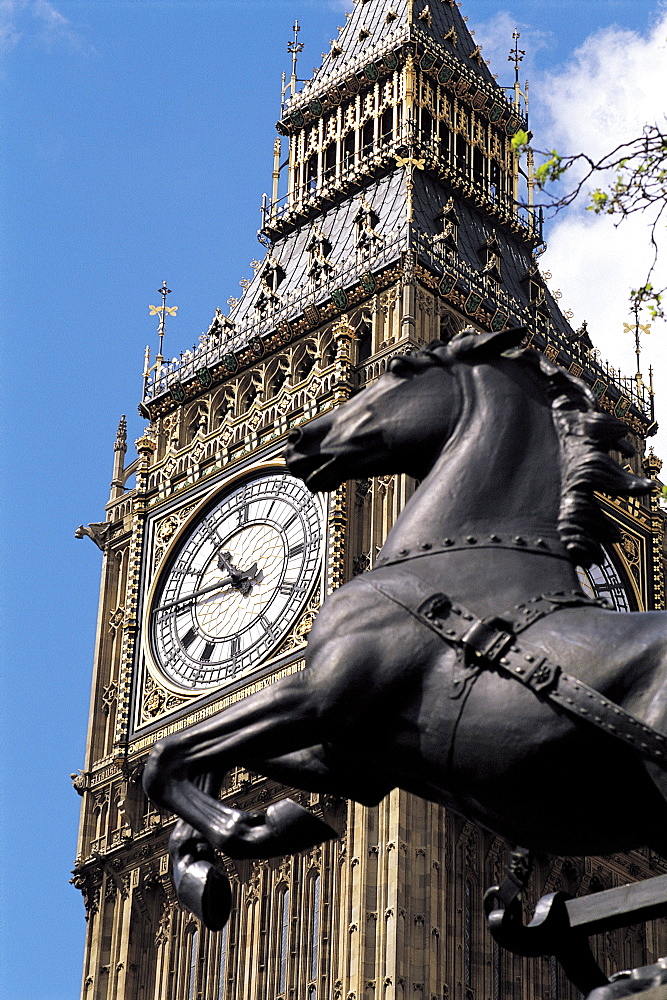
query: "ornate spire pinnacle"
516, 55
119, 448
294, 48
121, 436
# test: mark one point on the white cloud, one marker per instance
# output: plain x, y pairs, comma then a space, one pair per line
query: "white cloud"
39, 20
615, 83
496, 38
10, 35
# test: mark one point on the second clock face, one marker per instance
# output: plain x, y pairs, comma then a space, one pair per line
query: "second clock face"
237, 581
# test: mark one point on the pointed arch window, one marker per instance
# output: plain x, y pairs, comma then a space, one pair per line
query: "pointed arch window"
426, 125
315, 897
311, 174
306, 363
461, 147
349, 149
283, 939
368, 137
495, 181
387, 125
468, 936
193, 954
553, 976
222, 962
496, 971
330, 161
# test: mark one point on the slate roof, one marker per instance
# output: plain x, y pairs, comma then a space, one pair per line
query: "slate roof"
386, 197
367, 33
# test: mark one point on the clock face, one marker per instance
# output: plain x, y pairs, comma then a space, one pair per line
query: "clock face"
237, 581
603, 581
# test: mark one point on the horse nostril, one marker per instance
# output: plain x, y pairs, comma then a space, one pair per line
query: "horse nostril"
294, 436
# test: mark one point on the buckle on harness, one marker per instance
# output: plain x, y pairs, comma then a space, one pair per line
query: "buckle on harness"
486, 640
543, 676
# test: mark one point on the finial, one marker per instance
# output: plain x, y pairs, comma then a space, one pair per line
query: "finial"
636, 328
516, 55
121, 435
294, 47
162, 311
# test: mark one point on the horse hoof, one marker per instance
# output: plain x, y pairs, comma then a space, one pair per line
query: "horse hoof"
206, 892
285, 829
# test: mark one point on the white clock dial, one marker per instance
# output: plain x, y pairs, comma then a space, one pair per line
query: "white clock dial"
603, 581
238, 580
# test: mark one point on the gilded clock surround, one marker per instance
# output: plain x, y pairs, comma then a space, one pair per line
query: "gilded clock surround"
395, 243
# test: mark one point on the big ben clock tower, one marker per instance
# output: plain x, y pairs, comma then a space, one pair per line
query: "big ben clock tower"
396, 221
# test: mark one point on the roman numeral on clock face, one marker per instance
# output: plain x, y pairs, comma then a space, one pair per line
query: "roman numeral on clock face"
268, 627
296, 550
207, 651
291, 587
188, 638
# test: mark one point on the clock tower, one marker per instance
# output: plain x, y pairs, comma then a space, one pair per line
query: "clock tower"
397, 220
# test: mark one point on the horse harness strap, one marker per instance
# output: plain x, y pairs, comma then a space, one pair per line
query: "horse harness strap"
491, 643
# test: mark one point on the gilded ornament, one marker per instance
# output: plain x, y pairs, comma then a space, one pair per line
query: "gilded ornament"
630, 548
116, 618
154, 702
167, 528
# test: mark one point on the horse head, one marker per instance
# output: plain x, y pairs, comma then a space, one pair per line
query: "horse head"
509, 436
397, 424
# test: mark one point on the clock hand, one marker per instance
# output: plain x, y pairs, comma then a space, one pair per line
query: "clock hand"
240, 578
195, 593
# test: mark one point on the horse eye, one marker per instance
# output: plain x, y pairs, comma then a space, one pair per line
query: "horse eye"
401, 367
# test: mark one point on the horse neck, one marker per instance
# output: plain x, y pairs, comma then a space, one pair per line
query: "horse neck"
497, 476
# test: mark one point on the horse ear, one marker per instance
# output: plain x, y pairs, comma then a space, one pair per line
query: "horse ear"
485, 346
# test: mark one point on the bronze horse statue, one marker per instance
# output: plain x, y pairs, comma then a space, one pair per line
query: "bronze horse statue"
467, 666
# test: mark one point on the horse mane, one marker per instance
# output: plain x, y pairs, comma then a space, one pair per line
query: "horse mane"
586, 435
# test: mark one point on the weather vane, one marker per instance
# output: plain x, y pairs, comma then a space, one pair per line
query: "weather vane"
294, 48
516, 54
162, 311
637, 328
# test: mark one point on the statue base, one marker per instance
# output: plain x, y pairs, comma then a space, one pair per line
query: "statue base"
647, 983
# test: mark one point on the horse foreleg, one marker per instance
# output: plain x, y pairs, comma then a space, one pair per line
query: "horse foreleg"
280, 719
200, 886
318, 769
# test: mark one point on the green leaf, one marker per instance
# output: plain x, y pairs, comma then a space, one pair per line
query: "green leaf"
520, 141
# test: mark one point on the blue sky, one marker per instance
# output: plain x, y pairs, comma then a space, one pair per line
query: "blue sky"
138, 142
